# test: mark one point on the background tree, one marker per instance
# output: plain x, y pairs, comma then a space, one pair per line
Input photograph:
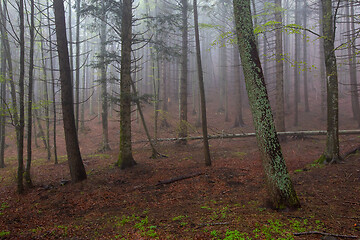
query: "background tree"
201, 88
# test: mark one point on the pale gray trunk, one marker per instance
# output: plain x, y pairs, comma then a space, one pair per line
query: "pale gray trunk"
280, 116
201, 89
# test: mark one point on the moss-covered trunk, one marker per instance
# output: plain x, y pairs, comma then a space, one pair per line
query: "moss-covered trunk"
279, 185
332, 140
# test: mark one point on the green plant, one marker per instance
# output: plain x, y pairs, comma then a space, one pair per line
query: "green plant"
178, 218
4, 233
235, 235
3, 206
214, 233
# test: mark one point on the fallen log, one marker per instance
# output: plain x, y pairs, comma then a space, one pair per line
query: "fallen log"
175, 179
325, 234
246, 135
353, 151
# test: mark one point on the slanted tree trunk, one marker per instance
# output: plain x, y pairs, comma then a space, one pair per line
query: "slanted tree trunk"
77, 169
331, 154
201, 89
280, 116
126, 159
30, 97
184, 73
279, 185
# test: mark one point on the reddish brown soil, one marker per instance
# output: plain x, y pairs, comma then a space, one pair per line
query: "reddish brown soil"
228, 196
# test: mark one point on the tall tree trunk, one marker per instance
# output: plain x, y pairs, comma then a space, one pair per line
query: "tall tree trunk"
21, 124
201, 88
350, 29
279, 185
296, 69
77, 65
77, 169
126, 159
280, 116
30, 97
322, 65
305, 40
2, 89
184, 73
239, 122
332, 139
46, 95
104, 95
53, 83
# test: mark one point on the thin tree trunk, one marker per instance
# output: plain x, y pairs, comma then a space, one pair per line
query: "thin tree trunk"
21, 124
77, 169
3, 89
279, 185
322, 65
239, 122
30, 97
305, 40
280, 116
77, 65
296, 69
104, 95
46, 97
184, 73
201, 89
53, 83
350, 27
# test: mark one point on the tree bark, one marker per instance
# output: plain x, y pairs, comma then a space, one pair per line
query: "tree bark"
77, 65
296, 69
279, 185
184, 73
201, 89
332, 141
3, 88
280, 116
239, 121
20, 126
30, 97
350, 28
126, 159
53, 83
77, 169
305, 40
103, 68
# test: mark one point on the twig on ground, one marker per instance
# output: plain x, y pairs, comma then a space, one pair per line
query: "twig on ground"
324, 234
172, 180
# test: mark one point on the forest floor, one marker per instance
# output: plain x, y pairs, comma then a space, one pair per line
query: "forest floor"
224, 201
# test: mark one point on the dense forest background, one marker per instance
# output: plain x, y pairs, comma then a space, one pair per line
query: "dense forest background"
179, 119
